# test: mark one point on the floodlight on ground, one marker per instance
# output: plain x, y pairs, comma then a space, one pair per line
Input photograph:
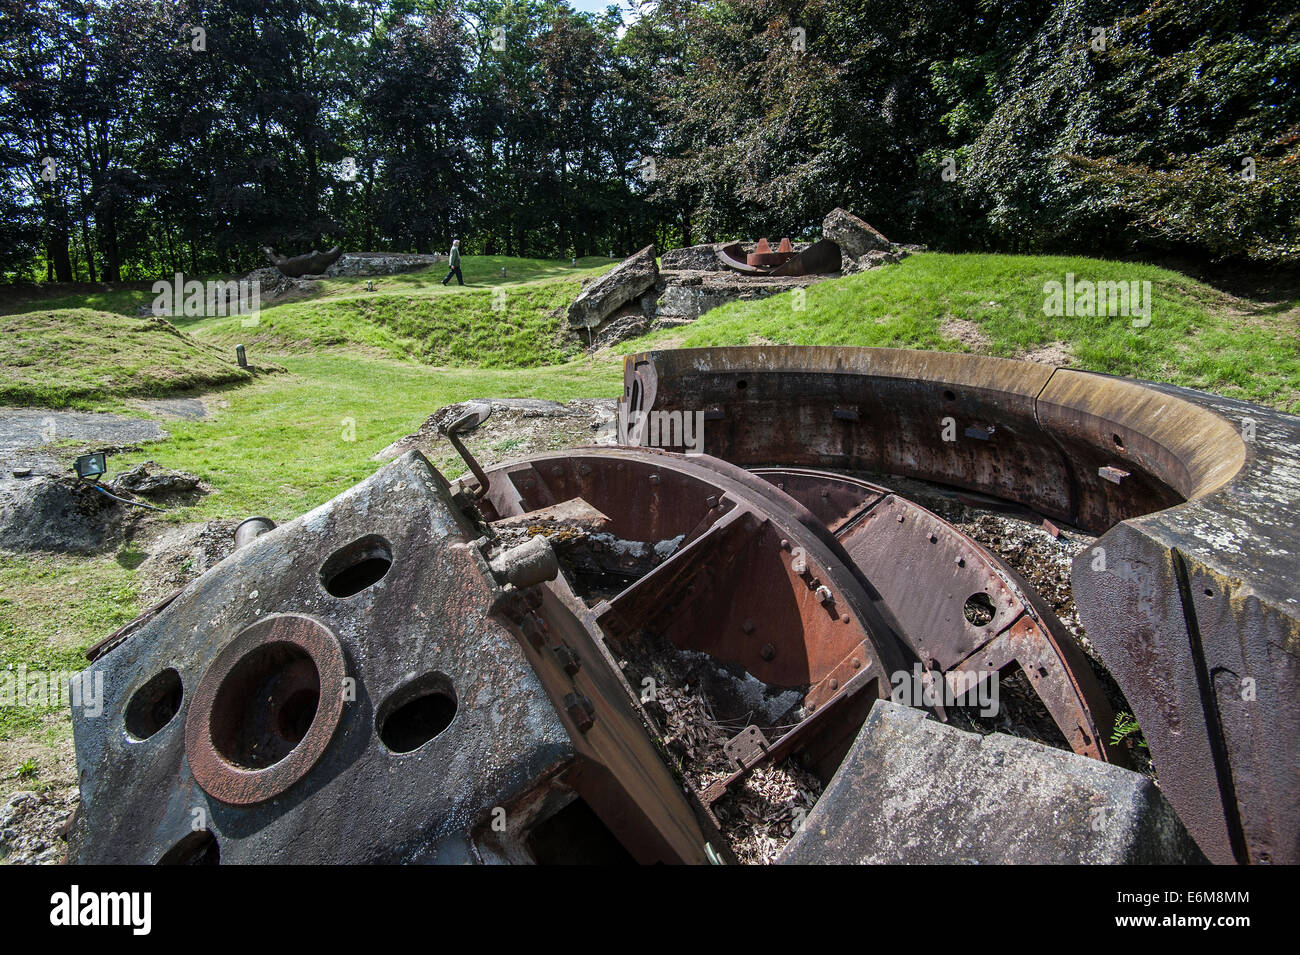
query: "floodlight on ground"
91, 466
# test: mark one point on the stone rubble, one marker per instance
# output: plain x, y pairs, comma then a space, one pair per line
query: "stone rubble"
32, 826
639, 296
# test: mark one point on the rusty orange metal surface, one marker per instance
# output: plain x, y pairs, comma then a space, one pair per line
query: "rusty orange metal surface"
1185, 595
928, 573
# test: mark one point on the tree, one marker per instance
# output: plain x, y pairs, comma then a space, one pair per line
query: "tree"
1170, 126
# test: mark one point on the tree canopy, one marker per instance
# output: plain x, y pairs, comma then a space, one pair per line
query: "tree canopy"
142, 136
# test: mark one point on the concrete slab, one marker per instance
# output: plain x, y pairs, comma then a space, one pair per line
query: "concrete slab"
913, 790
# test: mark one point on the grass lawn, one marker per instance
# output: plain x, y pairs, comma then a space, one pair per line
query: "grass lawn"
291, 442
363, 368
479, 271
52, 609
127, 298
993, 305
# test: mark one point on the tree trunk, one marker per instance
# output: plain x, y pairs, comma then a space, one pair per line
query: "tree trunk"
57, 250
90, 251
108, 232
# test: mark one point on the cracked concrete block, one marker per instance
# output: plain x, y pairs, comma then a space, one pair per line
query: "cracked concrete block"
628, 280
702, 258
57, 514
913, 790
856, 236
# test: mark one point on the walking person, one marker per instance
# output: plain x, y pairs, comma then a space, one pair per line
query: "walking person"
453, 260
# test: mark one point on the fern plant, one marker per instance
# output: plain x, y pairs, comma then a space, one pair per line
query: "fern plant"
1126, 729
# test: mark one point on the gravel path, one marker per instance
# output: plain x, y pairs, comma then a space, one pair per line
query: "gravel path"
24, 432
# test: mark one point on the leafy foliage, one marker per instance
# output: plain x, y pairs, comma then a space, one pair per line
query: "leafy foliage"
1126, 729
187, 134
1097, 125
1175, 129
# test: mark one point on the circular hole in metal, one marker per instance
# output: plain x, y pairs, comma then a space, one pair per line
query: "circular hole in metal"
416, 713
979, 609
198, 848
1119, 442
949, 396
265, 710
153, 705
353, 568
742, 384
265, 705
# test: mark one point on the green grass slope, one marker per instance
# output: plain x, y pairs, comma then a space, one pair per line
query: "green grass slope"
493, 321
993, 304
61, 358
290, 442
513, 326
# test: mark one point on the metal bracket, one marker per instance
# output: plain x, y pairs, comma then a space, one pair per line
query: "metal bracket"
746, 748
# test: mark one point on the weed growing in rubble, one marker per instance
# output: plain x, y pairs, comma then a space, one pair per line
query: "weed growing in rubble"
1126, 729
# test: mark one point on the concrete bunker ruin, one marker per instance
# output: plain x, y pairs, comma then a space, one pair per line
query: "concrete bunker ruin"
646, 292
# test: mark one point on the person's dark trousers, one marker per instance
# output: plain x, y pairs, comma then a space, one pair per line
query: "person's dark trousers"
455, 272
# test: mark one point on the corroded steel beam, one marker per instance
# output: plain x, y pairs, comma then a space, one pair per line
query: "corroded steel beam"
821, 258
309, 263
937, 582
748, 576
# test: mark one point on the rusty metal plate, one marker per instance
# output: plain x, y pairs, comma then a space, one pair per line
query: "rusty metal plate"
747, 748
934, 579
420, 631
733, 257
835, 500
820, 258
959, 608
